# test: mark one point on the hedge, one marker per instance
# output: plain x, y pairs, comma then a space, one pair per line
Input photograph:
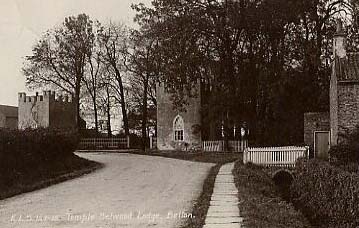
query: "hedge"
327, 195
23, 149
261, 204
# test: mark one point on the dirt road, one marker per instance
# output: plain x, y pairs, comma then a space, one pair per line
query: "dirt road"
131, 191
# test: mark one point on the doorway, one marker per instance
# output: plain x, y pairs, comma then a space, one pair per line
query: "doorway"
321, 144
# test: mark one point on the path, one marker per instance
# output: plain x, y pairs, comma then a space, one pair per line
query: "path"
223, 211
131, 191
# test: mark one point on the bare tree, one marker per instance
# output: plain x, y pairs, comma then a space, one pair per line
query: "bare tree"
94, 69
59, 58
114, 41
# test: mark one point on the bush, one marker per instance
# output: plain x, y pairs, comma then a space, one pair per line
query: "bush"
328, 195
347, 151
23, 149
261, 204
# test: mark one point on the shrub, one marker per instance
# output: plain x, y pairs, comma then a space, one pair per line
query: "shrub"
328, 195
260, 202
347, 151
21, 149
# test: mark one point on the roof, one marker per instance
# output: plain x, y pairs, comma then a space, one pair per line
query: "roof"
347, 68
9, 111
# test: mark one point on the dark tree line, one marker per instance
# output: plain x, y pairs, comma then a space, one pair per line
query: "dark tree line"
263, 62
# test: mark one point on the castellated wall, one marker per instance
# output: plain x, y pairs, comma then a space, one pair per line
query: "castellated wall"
46, 110
165, 119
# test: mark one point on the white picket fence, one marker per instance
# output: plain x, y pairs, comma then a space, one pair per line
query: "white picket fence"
219, 146
104, 143
275, 156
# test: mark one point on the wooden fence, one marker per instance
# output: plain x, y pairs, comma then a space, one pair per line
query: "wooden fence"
275, 156
153, 142
219, 146
104, 143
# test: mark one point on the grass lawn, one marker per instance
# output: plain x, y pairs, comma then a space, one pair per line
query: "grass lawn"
260, 202
31, 178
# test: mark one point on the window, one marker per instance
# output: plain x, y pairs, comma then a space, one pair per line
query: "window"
178, 128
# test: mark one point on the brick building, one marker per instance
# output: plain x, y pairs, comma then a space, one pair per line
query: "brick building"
343, 116
175, 129
46, 111
8, 117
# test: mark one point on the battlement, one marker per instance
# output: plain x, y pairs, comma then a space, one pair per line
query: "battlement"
48, 96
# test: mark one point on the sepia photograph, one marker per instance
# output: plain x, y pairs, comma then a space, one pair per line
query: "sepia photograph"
179, 113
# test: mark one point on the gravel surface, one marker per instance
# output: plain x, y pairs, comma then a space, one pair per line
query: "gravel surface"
131, 191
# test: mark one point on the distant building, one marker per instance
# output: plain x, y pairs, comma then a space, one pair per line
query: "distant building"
46, 111
8, 117
322, 130
175, 129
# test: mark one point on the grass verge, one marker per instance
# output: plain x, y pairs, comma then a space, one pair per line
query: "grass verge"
201, 205
207, 157
33, 178
260, 202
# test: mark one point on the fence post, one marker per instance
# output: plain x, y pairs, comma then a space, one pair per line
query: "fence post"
128, 141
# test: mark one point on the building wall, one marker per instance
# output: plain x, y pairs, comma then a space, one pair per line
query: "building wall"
314, 121
165, 117
333, 100
2, 120
11, 122
67, 116
348, 109
46, 111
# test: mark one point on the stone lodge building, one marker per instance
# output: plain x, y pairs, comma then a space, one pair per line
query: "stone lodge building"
8, 117
46, 111
321, 130
175, 129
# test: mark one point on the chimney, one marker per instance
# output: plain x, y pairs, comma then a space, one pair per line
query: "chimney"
339, 41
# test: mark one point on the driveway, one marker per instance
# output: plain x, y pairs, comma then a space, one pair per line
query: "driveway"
131, 191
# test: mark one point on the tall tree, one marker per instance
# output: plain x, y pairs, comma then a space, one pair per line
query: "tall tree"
114, 41
142, 61
93, 79
58, 59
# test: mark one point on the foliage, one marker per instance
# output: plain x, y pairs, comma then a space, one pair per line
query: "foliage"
23, 149
260, 202
346, 154
248, 56
58, 58
329, 196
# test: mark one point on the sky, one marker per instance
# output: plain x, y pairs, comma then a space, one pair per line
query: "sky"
22, 22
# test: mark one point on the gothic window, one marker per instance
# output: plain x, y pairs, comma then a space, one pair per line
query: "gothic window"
178, 128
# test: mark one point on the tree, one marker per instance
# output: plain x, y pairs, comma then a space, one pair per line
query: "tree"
248, 55
113, 39
143, 63
58, 59
93, 79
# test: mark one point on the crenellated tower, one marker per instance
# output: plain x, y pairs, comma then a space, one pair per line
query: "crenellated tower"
46, 110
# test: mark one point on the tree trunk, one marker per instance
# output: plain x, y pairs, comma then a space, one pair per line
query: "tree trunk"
108, 110
77, 100
144, 114
96, 115
123, 102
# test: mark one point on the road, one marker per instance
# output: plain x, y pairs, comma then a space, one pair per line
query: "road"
130, 191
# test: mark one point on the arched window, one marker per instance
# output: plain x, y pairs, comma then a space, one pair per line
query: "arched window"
178, 128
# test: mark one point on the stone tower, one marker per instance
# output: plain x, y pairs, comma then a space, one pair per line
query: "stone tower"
46, 111
344, 89
177, 130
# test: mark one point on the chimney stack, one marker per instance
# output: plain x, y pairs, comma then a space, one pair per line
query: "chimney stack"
339, 41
